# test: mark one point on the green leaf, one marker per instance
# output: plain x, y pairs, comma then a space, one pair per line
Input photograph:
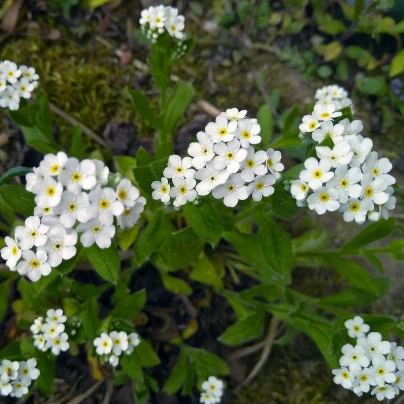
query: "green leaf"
160, 65
282, 203
131, 366
312, 241
332, 27
4, 288
205, 271
90, 322
11, 351
174, 284
289, 121
369, 234
105, 261
14, 172
146, 174
146, 355
130, 305
27, 290
205, 221
177, 104
266, 121
144, 109
67, 266
125, 166
18, 199
189, 44
46, 366
77, 146
276, 244
177, 375
372, 86
353, 273
143, 157
244, 330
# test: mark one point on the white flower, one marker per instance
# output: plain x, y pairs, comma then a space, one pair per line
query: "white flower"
383, 370
32, 234
373, 344
399, 383
356, 327
119, 342
133, 341
146, 15
316, 173
55, 316
201, 151
104, 205
127, 193
36, 327
24, 88
52, 165
373, 191
175, 26
5, 388
207, 398
354, 209
229, 155
101, 172
360, 147
221, 130
3, 83
346, 182
299, 190
323, 199
326, 112
389, 205
103, 344
34, 265
113, 361
10, 71
39, 341
9, 370
161, 190
232, 191
378, 168
327, 128
49, 192
10, 99
352, 128
273, 162
213, 386
96, 232
247, 132
210, 178
28, 371
59, 343
183, 190
343, 377
52, 329
78, 175
157, 19
354, 357
33, 178
131, 216
11, 253
396, 355
19, 389
43, 212
365, 380
340, 154
233, 114
253, 164
383, 392
73, 207
178, 168
29, 73
60, 245
309, 124
262, 186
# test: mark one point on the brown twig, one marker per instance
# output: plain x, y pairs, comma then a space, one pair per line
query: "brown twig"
269, 340
109, 392
80, 398
208, 108
73, 121
247, 350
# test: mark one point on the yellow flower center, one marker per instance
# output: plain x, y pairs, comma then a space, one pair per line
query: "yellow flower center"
179, 170
182, 190
205, 151
55, 169
51, 191
355, 357
354, 207
104, 204
317, 174
46, 210
173, 27
231, 188
303, 187
245, 134
343, 183
250, 163
345, 375
260, 185
126, 212
270, 163
325, 115
105, 344
324, 197
72, 207
383, 388
117, 341
33, 234
369, 192
363, 378
381, 371
375, 171
223, 132
25, 371
76, 177
96, 229
14, 250
230, 155
23, 88
122, 194
313, 125
58, 246
57, 342
164, 189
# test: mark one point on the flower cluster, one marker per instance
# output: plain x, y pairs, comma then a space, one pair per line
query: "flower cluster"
344, 174
226, 164
372, 364
111, 346
16, 82
71, 197
16, 377
155, 21
212, 391
50, 334
333, 94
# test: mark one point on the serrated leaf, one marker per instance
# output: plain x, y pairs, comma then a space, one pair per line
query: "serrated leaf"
283, 205
130, 305
145, 175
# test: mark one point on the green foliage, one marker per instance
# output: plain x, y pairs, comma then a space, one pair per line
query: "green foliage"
18, 199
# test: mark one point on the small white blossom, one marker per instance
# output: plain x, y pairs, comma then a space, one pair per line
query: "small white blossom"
229, 156
396, 355
274, 162
327, 128
161, 190
309, 123
340, 154
11, 253
55, 316
34, 265
210, 177
247, 132
356, 327
119, 342
179, 168
103, 344
233, 114
96, 232
346, 182
213, 386
323, 199
299, 190
183, 190
231, 191
316, 172
221, 130
72, 208
261, 187
127, 193
373, 344
104, 205
354, 358
378, 168
343, 377
354, 209
28, 371
360, 148
326, 112
254, 164
78, 175
201, 151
